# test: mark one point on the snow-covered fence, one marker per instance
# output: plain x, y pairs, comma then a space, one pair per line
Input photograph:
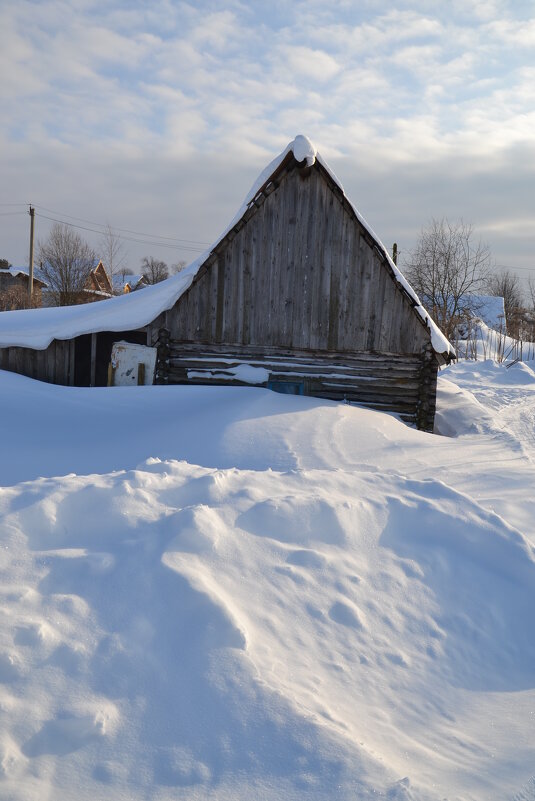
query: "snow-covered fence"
475, 340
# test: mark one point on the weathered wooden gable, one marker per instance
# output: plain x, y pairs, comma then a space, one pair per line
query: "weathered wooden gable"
299, 270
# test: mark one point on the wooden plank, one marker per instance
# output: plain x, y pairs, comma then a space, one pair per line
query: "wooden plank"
311, 356
375, 303
227, 299
259, 271
93, 367
366, 278
66, 345
51, 362
297, 335
246, 268
336, 257
59, 363
279, 264
220, 297
316, 220
289, 262
350, 290
267, 318
396, 320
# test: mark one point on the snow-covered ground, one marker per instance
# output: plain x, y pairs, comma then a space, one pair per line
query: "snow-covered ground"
224, 593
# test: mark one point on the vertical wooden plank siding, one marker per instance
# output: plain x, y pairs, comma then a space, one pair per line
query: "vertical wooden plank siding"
299, 272
71, 346
220, 297
335, 276
93, 372
53, 364
315, 260
246, 265
343, 271
350, 322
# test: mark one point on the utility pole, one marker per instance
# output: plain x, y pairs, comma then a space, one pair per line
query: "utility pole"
30, 282
395, 253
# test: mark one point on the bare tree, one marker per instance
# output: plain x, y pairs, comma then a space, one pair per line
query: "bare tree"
16, 297
447, 269
506, 285
531, 285
66, 262
112, 252
178, 267
154, 270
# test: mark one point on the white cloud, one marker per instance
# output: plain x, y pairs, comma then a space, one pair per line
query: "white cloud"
412, 86
305, 62
514, 33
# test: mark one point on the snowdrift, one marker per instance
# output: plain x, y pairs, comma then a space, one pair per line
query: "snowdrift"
257, 596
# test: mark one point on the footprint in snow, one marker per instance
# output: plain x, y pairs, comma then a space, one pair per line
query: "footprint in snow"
302, 558
35, 634
397, 659
345, 615
10, 667
62, 736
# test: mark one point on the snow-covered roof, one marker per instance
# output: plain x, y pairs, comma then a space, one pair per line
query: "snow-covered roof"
490, 309
120, 281
36, 328
24, 271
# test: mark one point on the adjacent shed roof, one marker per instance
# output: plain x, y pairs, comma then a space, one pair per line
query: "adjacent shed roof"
36, 328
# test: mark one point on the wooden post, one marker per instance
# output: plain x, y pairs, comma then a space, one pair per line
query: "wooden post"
72, 356
30, 281
425, 416
162, 360
395, 253
93, 374
140, 374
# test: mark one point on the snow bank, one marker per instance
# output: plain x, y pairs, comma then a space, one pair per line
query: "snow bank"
483, 343
259, 596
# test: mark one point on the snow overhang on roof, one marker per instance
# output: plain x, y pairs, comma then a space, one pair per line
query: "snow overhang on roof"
36, 328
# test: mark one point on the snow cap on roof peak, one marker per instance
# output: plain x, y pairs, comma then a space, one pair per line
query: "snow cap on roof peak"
303, 149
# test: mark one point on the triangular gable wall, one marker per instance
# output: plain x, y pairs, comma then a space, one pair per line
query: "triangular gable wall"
299, 270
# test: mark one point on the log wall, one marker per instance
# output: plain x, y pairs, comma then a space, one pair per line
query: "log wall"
384, 381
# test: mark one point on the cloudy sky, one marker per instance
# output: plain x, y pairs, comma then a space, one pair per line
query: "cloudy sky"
156, 117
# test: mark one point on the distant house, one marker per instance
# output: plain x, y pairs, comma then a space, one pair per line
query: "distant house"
14, 289
490, 310
98, 283
97, 286
123, 284
298, 295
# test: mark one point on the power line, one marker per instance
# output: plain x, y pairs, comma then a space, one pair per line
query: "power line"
167, 245
126, 230
508, 267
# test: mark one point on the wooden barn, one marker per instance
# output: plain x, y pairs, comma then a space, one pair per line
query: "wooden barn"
298, 296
